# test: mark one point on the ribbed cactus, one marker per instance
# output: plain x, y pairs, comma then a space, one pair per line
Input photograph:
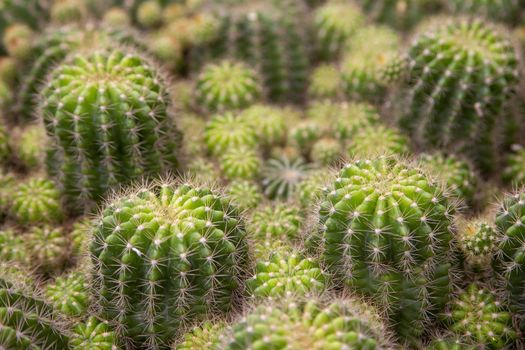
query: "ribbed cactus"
348, 118
48, 248
68, 11
282, 175
165, 258
29, 145
12, 246
149, 14
35, 201
448, 343
245, 195
456, 173
325, 82
205, 336
228, 131
305, 134
27, 321
385, 232
514, 171
342, 324
18, 40
327, 151
335, 22
402, 14
93, 335
240, 163
480, 319
311, 188
204, 170
477, 241
268, 121
286, 273
271, 36
376, 140
69, 294
28, 12
79, 236
280, 222
460, 79
510, 11
226, 86
108, 120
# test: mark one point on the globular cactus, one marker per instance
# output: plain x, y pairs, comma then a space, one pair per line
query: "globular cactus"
480, 319
311, 188
226, 86
107, 115
325, 82
35, 201
194, 144
269, 122
455, 94
477, 240
514, 171
271, 36
280, 222
348, 118
385, 232
290, 324
245, 195
48, 248
286, 273
326, 152
228, 131
28, 322
7, 187
455, 172
69, 294
93, 334
79, 237
29, 12
18, 40
305, 134
448, 343
240, 163
205, 336
509, 11
376, 140
335, 23
29, 144
163, 259
149, 14
282, 175
116, 17
204, 170
12, 246
68, 11
371, 63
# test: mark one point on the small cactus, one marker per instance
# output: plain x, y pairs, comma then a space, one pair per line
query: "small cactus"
478, 241
305, 134
205, 336
282, 175
204, 170
48, 248
376, 140
149, 14
29, 144
280, 222
228, 131
12, 246
35, 201
401, 14
325, 82
240, 163
69, 294
93, 335
269, 123
28, 12
310, 190
244, 195
509, 11
326, 152
17, 41
226, 86
68, 11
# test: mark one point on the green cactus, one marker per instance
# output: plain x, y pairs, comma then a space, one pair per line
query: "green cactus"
286, 274
12, 246
456, 173
48, 248
244, 195
282, 175
305, 134
93, 335
268, 121
455, 94
228, 131
376, 140
194, 144
311, 188
204, 170
226, 86
240, 163
514, 171
35, 201
149, 14
27, 321
342, 324
477, 240
69, 294
510, 11
68, 11
115, 129
166, 258
448, 343
29, 144
205, 336
325, 82
369, 65
280, 222
18, 40
326, 152
116, 17
271, 36
480, 319
385, 232
28, 12
79, 236
335, 23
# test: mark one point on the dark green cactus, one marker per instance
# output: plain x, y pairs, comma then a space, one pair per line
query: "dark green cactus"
509, 11
456, 93
165, 259
385, 232
107, 115
48, 248
69, 294
514, 171
280, 222
240, 163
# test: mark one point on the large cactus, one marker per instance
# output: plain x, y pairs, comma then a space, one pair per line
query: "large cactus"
108, 120
461, 76
385, 232
165, 259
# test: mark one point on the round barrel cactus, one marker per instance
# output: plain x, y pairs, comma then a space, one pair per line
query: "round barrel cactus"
29, 145
268, 121
163, 258
48, 248
325, 82
93, 334
240, 163
456, 94
385, 232
374, 140
245, 195
205, 336
477, 240
280, 222
69, 294
228, 131
282, 175
12, 246
108, 120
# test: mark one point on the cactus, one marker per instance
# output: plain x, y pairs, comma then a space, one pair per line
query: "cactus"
335, 23
17, 41
240, 163
226, 86
326, 152
369, 64
35, 201
48, 248
27, 321
205, 336
286, 274
325, 82
456, 94
270, 36
93, 335
28, 12
480, 319
228, 131
12, 248
185, 250
69, 294
149, 14
456, 173
385, 232
342, 324
115, 129
477, 241
514, 171
280, 222
5, 149
116, 17
194, 144
204, 170
448, 343
269, 123
8, 67
376, 140
509, 11
79, 236
244, 195
29, 144
310, 190
401, 14
305, 134
7, 187
282, 175
68, 11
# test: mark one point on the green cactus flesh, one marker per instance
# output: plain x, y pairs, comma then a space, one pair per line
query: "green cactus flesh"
273, 223
69, 294
245, 195
205, 336
282, 175
478, 241
48, 248
93, 334
503, 10
240, 163
377, 140
228, 131
514, 171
